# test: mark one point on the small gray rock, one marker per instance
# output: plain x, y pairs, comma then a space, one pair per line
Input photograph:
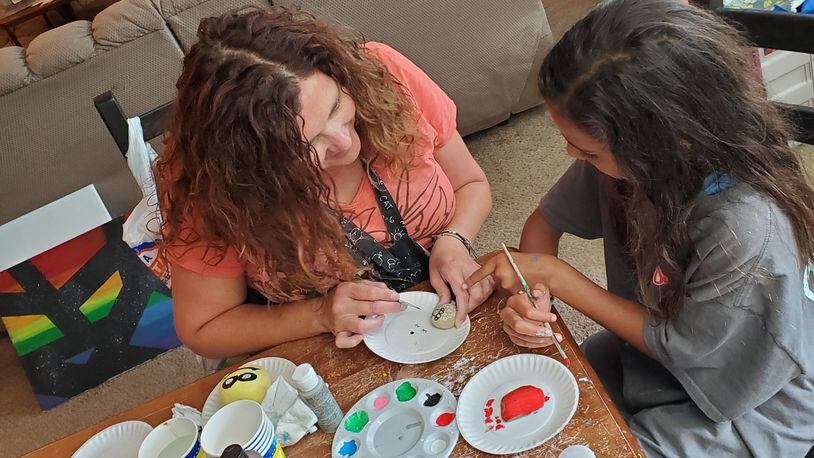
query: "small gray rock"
443, 316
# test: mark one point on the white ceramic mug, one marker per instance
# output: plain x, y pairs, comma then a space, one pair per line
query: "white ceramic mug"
244, 423
175, 438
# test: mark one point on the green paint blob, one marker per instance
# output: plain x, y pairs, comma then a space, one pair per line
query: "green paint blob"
405, 392
357, 421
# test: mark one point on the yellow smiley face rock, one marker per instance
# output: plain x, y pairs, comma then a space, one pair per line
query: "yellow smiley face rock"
248, 382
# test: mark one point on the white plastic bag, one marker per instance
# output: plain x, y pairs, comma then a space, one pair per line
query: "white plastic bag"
142, 229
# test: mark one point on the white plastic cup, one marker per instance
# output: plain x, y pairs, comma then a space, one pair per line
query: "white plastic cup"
244, 423
175, 438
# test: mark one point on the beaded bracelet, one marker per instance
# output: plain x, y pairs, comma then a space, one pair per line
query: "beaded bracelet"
460, 238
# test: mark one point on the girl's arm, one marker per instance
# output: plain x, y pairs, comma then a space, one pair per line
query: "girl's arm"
212, 319
624, 318
539, 236
450, 262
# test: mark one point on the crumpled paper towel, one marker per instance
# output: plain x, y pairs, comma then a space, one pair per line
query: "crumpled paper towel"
292, 419
182, 411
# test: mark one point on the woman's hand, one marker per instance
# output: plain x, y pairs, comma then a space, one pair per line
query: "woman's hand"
352, 309
450, 265
524, 321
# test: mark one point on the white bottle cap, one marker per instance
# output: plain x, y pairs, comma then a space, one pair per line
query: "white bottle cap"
304, 377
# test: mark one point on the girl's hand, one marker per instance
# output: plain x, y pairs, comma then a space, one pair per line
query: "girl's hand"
536, 268
450, 265
523, 322
352, 309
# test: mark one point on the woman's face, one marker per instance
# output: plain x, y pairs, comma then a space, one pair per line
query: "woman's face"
583, 146
329, 115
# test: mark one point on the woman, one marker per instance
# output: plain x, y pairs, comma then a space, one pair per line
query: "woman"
297, 160
708, 227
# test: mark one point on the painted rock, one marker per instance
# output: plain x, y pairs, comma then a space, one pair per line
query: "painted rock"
443, 316
521, 402
247, 382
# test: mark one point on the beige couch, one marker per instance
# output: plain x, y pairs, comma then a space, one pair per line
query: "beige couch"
484, 53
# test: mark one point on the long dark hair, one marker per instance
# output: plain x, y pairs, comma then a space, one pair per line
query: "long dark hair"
236, 168
668, 88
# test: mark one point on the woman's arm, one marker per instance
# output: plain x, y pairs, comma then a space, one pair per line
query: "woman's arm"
212, 319
450, 262
473, 196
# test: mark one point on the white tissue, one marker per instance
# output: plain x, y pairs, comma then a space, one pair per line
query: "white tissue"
292, 419
182, 411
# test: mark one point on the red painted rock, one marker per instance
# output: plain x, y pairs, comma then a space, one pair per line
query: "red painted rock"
521, 402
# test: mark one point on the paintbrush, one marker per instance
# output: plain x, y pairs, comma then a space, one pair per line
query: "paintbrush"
527, 290
405, 303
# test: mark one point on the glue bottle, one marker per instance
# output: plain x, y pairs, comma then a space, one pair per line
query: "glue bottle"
316, 395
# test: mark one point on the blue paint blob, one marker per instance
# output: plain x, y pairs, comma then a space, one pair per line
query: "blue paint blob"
349, 448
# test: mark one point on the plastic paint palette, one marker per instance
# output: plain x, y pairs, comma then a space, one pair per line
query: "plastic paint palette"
408, 417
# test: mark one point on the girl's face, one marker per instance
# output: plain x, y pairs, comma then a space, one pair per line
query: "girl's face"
583, 146
329, 115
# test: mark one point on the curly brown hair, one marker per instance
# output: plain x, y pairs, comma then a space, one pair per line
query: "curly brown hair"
236, 166
667, 87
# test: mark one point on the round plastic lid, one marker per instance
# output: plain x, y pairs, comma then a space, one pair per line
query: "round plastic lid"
577, 451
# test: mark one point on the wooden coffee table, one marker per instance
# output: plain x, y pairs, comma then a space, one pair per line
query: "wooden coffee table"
353, 373
11, 15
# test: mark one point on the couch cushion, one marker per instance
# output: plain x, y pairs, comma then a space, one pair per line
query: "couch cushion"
480, 52
59, 49
125, 21
53, 140
14, 73
184, 16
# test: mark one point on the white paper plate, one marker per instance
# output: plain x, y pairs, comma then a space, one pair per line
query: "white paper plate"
503, 376
121, 440
408, 337
401, 428
276, 367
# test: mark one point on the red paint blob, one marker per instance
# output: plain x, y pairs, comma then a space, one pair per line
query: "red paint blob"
490, 402
444, 419
521, 402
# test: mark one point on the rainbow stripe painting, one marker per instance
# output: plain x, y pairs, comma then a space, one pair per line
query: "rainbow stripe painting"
83, 312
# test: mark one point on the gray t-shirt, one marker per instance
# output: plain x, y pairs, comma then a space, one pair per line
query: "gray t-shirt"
733, 373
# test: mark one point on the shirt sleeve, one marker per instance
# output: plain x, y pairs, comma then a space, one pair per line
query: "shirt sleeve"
200, 257
723, 347
432, 103
572, 205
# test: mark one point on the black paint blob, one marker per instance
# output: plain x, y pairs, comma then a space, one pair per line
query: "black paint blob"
432, 399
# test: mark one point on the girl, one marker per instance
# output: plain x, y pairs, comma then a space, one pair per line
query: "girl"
684, 169
288, 142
